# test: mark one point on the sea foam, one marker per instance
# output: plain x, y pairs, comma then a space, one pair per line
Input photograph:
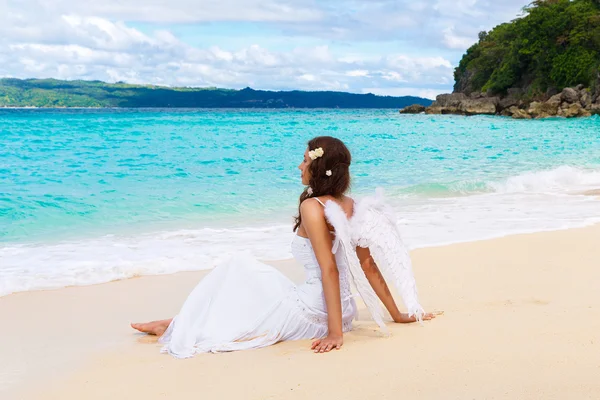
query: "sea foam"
563, 179
530, 202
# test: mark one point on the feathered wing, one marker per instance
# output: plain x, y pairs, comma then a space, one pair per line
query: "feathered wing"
374, 226
343, 242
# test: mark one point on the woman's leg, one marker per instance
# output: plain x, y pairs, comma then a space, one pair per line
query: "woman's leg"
153, 328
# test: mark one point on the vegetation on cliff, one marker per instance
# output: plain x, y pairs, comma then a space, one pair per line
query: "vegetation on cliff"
58, 93
555, 44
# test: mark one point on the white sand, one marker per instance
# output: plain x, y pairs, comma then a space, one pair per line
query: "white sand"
521, 322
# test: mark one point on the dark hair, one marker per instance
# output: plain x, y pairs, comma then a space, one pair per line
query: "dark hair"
336, 158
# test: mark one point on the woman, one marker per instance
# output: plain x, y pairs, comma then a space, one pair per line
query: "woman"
245, 304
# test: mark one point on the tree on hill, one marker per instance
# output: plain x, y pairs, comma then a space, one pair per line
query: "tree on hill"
555, 44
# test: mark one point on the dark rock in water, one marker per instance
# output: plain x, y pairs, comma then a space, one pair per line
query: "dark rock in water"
413, 109
584, 113
433, 110
442, 110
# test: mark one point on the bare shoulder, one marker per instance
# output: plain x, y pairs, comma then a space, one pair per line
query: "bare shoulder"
311, 208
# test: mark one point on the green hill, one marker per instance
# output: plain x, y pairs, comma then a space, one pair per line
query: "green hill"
554, 45
58, 93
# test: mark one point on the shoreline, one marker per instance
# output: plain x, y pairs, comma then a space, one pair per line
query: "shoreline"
571, 102
97, 260
513, 296
284, 260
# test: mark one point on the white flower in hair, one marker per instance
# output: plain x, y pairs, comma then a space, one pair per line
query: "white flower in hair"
328, 172
309, 191
316, 153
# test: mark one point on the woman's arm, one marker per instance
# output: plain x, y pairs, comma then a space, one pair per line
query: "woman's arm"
381, 288
313, 221
377, 282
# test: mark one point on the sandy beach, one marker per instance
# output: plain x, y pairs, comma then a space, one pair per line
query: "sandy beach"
521, 322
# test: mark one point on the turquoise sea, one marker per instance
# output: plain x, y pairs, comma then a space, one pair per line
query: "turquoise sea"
88, 196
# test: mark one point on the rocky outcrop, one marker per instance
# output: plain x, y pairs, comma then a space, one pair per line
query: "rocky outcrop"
542, 110
555, 100
570, 95
449, 100
413, 109
573, 110
569, 103
517, 113
459, 103
585, 99
486, 105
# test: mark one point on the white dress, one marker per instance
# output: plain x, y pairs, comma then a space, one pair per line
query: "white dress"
246, 304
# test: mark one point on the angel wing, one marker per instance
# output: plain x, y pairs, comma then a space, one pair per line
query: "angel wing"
373, 225
343, 242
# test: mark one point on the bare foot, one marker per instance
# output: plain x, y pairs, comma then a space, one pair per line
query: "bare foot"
153, 328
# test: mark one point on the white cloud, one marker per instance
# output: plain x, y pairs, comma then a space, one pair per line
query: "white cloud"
358, 72
419, 24
383, 20
177, 11
112, 51
98, 40
453, 41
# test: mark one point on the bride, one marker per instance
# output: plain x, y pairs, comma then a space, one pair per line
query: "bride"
244, 304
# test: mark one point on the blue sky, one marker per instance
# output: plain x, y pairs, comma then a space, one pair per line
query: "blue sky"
378, 46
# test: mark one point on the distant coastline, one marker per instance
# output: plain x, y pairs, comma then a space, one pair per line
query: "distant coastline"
53, 93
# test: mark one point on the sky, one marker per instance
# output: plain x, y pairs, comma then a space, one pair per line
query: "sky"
387, 47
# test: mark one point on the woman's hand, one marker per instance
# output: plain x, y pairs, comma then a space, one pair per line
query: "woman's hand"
327, 344
404, 318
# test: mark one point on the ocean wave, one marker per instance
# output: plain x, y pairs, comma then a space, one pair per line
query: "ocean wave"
564, 179
424, 223
26, 267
